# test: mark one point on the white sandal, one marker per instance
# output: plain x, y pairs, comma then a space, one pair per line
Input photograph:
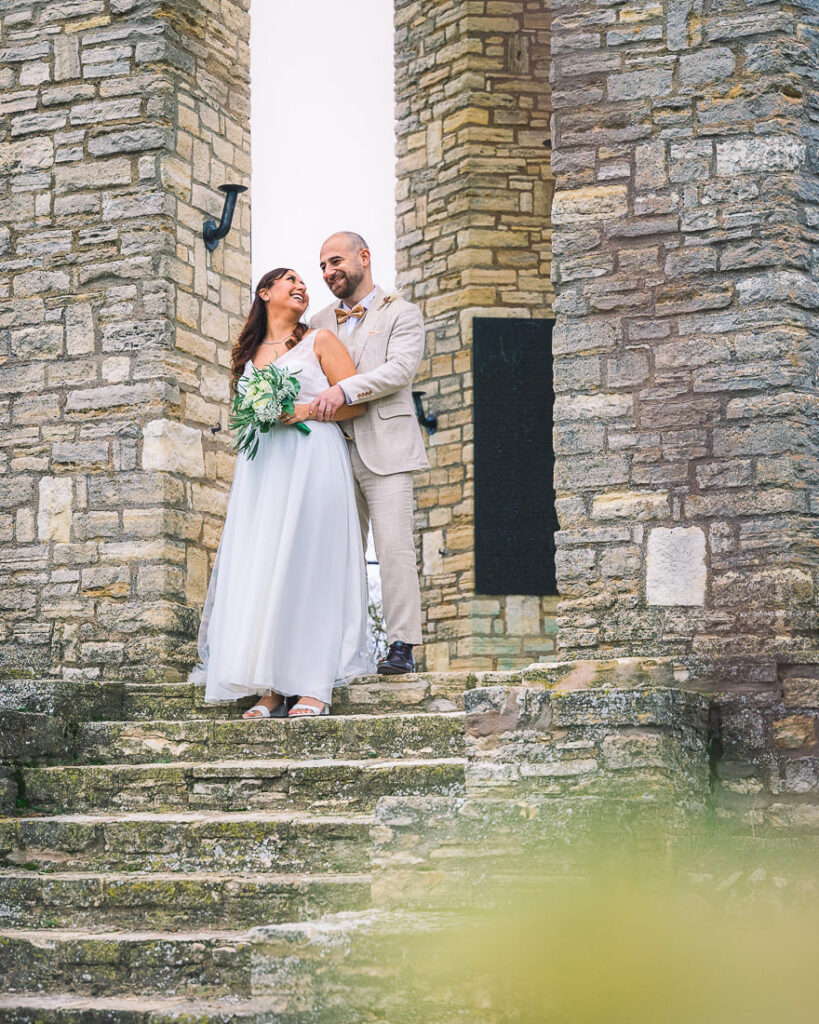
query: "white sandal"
308, 711
260, 710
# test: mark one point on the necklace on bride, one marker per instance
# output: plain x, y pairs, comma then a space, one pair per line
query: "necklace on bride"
281, 341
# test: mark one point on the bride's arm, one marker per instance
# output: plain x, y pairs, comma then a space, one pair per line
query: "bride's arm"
337, 364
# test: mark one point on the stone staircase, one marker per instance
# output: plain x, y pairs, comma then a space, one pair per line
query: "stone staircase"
153, 834
162, 860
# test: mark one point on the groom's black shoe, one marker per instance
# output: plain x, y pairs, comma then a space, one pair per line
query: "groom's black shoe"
399, 660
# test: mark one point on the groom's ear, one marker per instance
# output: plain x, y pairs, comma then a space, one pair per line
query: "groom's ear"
364, 256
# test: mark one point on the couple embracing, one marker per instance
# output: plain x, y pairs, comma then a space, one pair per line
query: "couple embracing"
286, 611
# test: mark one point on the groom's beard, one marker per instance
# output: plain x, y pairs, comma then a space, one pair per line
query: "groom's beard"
343, 287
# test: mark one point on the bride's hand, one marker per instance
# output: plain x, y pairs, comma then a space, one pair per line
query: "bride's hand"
300, 414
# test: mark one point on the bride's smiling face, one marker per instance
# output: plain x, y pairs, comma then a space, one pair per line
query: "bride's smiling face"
289, 293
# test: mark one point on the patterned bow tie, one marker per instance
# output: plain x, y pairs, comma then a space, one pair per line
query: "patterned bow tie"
343, 315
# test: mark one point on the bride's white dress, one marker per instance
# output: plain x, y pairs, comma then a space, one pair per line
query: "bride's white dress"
286, 608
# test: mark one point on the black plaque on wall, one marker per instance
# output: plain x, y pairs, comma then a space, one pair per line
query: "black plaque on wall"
515, 520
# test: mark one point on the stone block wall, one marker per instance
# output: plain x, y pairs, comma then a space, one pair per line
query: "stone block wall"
473, 239
118, 120
766, 749
554, 775
646, 746
685, 226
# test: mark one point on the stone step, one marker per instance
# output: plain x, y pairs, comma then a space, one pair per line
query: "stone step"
199, 964
351, 967
350, 785
415, 735
79, 699
365, 695
100, 902
68, 1008
396, 966
84, 700
191, 841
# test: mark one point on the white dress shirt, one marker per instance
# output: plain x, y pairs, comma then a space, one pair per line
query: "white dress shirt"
366, 302
351, 323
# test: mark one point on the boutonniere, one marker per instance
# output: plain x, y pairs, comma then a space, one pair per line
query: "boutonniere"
388, 299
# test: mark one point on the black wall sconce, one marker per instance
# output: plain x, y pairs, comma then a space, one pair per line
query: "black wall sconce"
428, 422
212, 231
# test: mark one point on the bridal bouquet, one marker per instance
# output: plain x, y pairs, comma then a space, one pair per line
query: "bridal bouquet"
261, 400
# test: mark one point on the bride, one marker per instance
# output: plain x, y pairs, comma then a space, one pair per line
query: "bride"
286, 609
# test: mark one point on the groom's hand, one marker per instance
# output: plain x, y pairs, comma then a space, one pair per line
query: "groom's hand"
327, 404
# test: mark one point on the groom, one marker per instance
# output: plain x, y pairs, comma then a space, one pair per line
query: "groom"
385, 336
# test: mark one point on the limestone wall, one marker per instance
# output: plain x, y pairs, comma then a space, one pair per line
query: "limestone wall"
685, 218
473, 236
118, 118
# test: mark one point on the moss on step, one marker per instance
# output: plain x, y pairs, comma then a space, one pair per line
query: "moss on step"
200, 964
239, 842
133, 901
67, 1008
360, 737
237, 785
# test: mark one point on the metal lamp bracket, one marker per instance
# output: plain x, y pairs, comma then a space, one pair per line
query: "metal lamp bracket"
428, 421
212, 231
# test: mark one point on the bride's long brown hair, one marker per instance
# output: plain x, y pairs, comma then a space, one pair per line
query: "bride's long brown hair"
255, 328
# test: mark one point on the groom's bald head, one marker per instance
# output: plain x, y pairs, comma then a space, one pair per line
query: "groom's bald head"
345, 264
350, 239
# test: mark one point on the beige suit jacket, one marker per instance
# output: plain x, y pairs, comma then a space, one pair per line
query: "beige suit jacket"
386, 344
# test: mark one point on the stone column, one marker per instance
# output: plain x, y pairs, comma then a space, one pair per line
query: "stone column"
120, 118
473, 236
685, 221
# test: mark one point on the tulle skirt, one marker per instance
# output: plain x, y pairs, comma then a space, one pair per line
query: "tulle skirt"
286, 608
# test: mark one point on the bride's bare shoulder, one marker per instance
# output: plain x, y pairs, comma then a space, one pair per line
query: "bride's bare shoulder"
326, 338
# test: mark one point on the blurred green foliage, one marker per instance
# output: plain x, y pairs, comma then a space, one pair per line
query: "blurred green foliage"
716, 933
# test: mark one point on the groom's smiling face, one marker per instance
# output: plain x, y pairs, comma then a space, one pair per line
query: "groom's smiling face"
342, 267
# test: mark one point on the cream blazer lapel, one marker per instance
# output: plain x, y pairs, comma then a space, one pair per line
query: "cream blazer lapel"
357, 341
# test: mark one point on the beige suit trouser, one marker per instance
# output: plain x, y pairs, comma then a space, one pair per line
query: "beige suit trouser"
386, 502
